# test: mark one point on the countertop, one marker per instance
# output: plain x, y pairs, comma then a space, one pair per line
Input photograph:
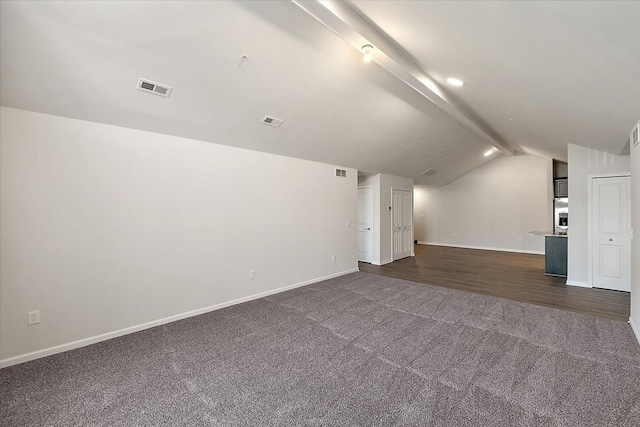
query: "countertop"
545, 234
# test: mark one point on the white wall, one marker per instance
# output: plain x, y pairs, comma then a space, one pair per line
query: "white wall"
635, 243
382, 185
105, 229
492, 207
582, 163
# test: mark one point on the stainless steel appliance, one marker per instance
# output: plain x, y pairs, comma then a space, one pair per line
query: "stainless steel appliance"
560, 215
561, 188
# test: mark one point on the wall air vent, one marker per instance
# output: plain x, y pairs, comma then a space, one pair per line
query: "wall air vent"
635, 135
341, 173
272, 121
429, 172
153, 87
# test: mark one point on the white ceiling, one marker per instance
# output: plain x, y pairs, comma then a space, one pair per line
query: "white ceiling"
563, 72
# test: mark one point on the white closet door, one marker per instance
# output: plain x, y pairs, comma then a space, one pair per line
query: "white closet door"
611, 233
402, 222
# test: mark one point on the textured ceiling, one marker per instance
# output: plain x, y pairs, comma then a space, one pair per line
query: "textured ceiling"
557, 77
541, 73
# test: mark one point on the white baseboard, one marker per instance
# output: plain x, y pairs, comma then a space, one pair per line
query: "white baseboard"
484, 248
109, 335
386, 261
580, 284
635, 330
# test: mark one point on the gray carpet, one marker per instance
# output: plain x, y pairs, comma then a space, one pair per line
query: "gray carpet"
357, 350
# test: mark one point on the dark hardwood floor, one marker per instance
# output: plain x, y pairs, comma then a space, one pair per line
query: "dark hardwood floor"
514, 276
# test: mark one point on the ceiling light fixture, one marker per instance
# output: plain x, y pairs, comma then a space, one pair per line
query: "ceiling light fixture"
366, 49
490, 152
455, 82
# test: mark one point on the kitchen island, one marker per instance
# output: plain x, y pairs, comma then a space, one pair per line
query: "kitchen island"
555, 253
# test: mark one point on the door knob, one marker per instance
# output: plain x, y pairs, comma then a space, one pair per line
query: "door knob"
368, 228
611, 240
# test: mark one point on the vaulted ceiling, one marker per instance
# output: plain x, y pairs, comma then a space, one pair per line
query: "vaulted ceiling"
538, 75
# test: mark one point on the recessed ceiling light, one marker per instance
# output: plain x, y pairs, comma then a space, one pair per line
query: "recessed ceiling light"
490, 152
455, 82
366, 50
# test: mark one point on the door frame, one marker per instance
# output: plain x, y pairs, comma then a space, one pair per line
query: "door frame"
590, 217
373, 228
410, 191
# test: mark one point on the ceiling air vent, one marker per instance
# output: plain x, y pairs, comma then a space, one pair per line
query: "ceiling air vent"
272, 121
341, 173
153, 87
429, 172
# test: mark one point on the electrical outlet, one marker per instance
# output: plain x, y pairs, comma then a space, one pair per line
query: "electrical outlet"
252, 274
33, 317
348, 224
333, 258
519, 239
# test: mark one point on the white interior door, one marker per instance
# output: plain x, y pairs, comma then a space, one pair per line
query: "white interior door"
611, 233
365, 224
402, 221
407, 224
